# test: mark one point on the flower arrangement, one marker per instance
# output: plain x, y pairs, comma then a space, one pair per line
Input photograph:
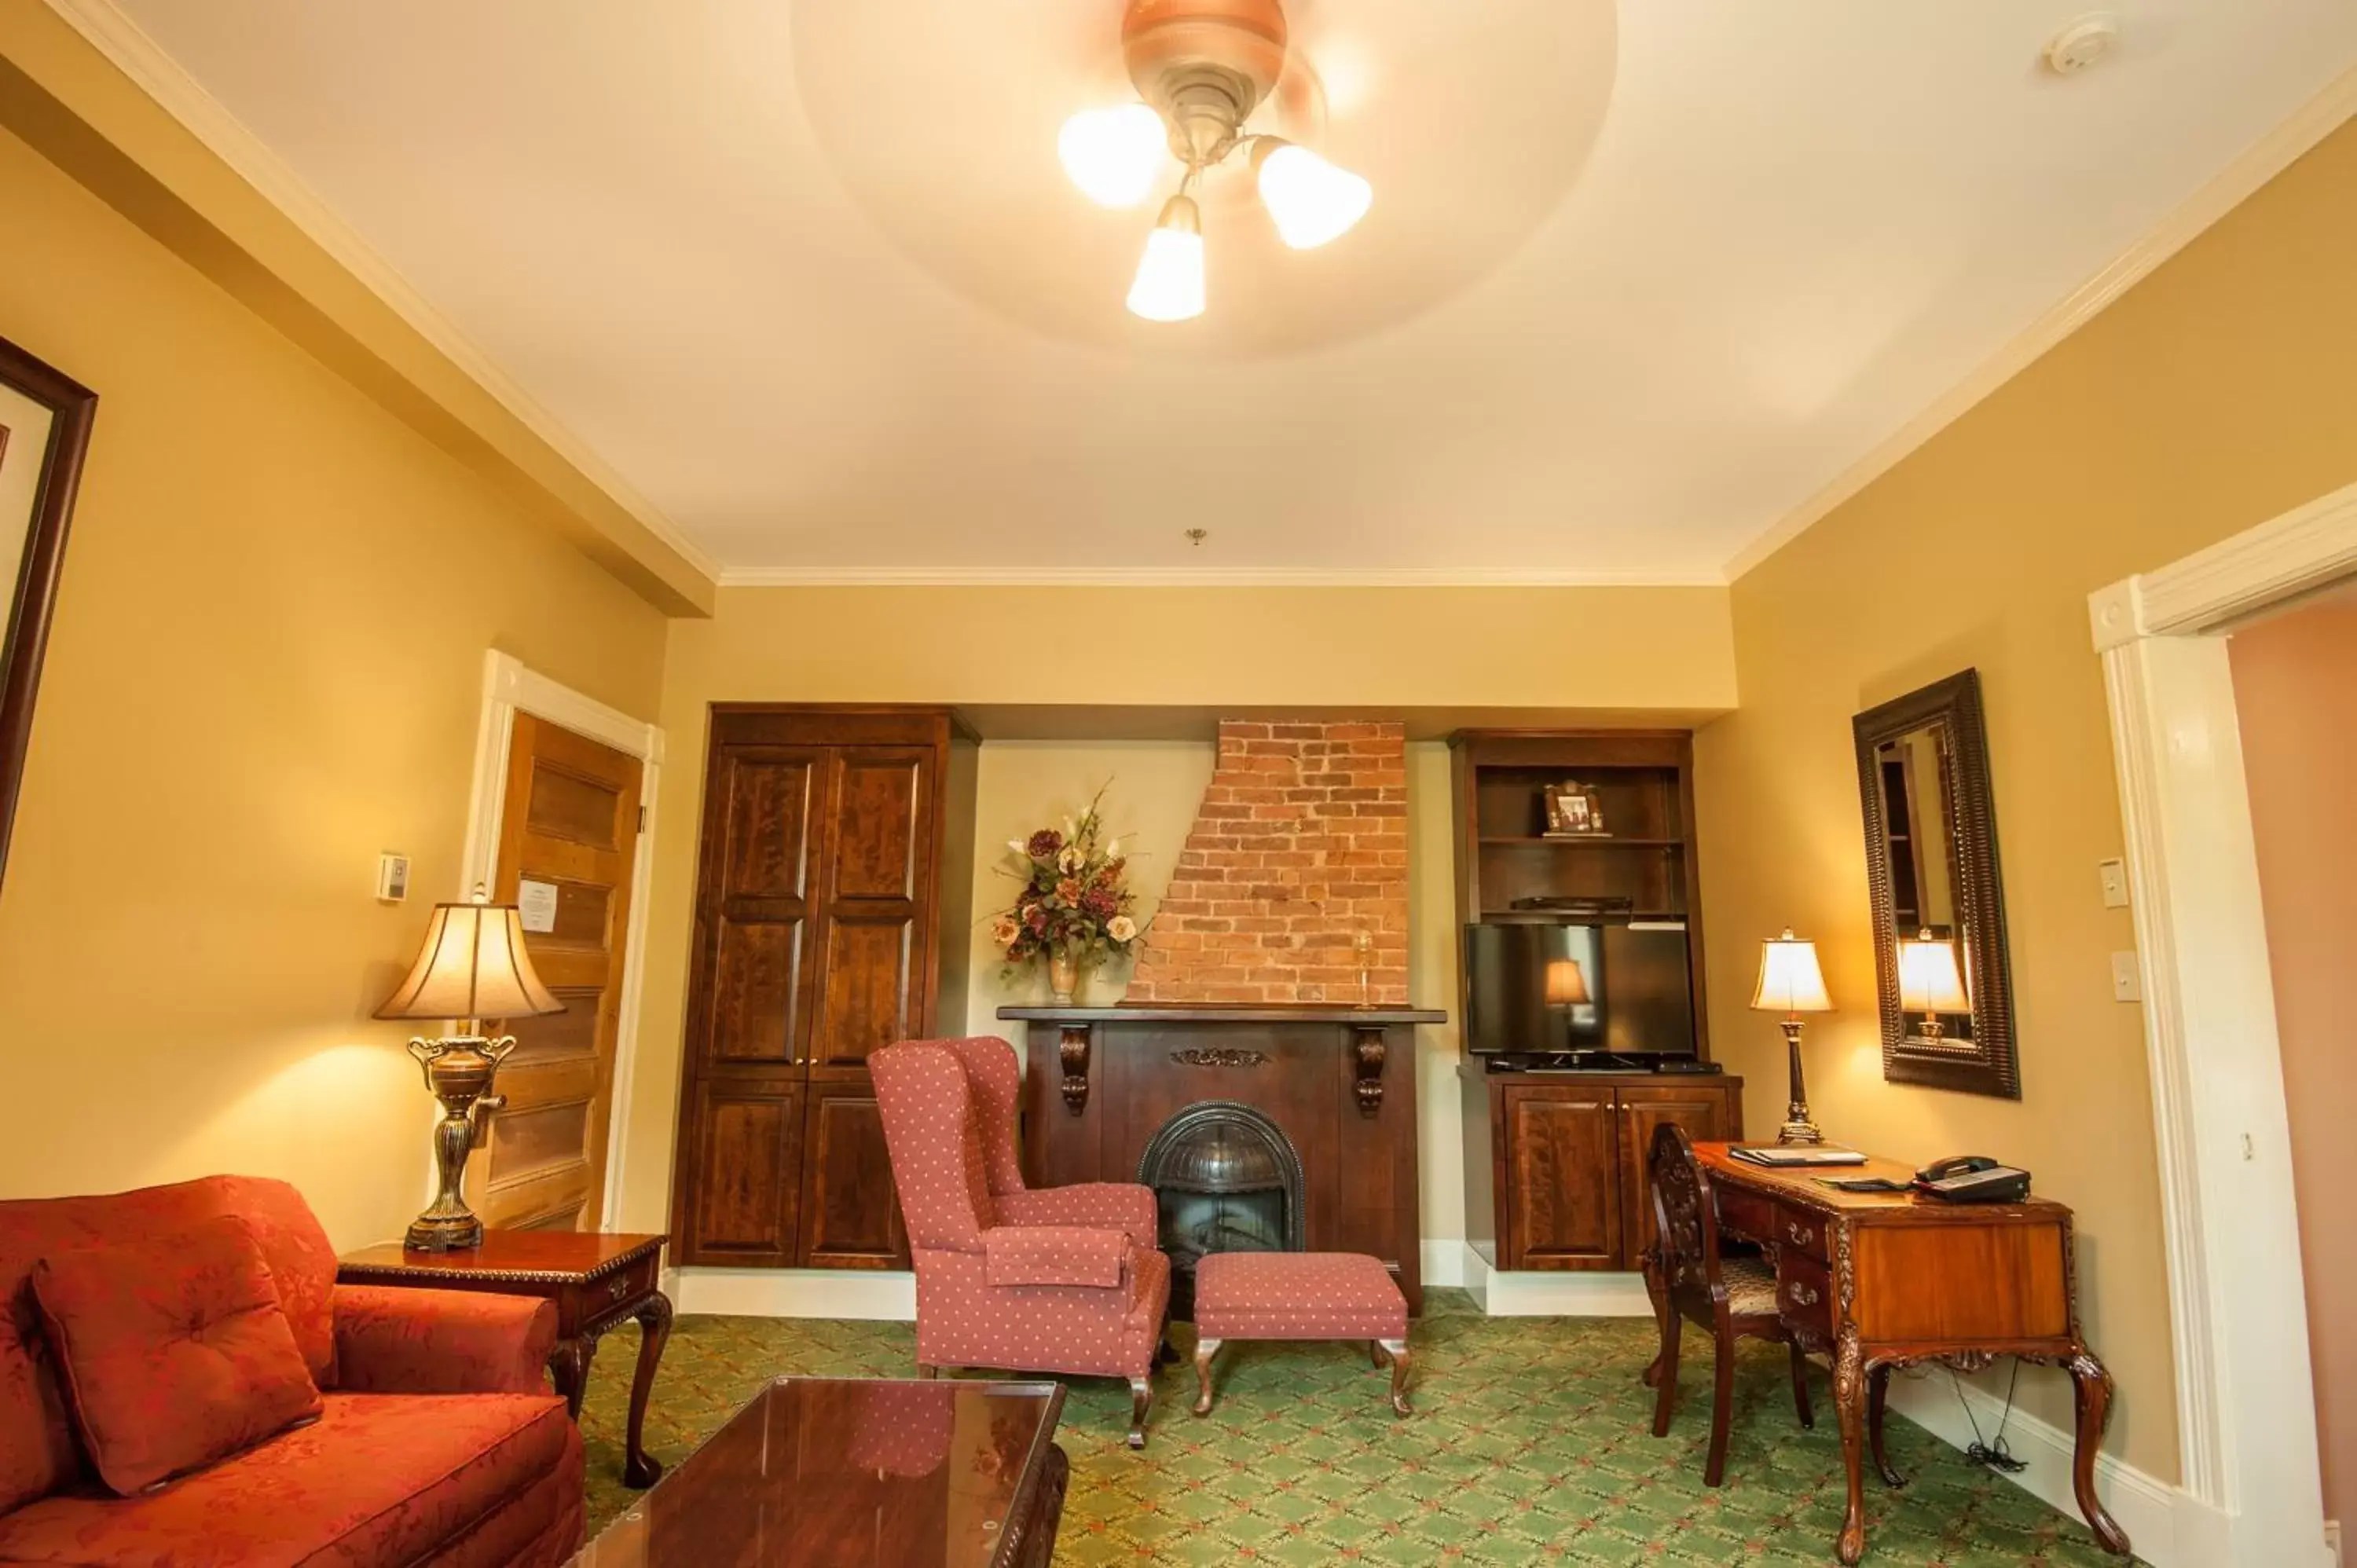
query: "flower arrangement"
1074, 905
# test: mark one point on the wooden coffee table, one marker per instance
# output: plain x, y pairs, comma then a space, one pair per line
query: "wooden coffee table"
597, 1282
839, 1470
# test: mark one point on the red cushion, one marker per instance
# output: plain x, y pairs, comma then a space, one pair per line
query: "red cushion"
174, 1352
38, 1452
1297, 1295
378, 1479
1054, 1255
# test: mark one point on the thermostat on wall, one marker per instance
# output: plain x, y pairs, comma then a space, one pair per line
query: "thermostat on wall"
392, 877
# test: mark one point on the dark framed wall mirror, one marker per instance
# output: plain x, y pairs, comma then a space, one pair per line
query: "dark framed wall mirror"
1938, 902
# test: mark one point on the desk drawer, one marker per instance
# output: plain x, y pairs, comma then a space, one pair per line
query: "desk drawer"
1798, 1231
1747, 1214
1804, 1292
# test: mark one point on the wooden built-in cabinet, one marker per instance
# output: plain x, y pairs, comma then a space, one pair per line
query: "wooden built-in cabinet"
1555, 1163
822, 923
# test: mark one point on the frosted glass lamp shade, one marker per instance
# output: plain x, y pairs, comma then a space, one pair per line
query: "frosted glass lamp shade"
1928, 978
1790, 979
1311, 201
472, 965
1114, 156
1169, 285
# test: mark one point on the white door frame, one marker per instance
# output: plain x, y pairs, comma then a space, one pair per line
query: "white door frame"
2250, 1492
509, 688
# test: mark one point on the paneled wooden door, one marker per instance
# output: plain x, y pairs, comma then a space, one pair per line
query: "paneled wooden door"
1563, 1177
568, 840
816, 907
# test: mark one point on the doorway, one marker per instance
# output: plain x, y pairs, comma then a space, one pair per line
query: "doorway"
2250, 1492
564, 793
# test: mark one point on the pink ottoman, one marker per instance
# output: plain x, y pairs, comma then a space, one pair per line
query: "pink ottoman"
1298, 1295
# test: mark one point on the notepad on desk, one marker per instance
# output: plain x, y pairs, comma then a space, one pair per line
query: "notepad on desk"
1782, 1156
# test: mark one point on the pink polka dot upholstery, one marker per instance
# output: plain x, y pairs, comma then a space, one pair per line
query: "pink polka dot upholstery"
1297, 1295
946, 1105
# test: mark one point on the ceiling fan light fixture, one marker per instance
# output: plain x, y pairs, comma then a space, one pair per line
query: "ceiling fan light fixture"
1114, 155
1312, 201
1170, 283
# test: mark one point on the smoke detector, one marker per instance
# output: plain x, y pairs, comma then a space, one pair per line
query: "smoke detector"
2082, 43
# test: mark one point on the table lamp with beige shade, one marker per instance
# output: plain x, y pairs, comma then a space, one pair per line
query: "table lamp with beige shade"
472, 966
1791, 983
1929, 983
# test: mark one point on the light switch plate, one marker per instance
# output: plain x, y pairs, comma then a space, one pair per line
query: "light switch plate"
2116, 883
392, 877
2128, 978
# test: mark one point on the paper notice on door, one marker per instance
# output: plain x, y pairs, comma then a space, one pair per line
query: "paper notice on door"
536, 901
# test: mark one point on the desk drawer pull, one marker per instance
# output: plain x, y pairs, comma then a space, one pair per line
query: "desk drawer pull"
1800, 1235
617, 1289
1803, 1295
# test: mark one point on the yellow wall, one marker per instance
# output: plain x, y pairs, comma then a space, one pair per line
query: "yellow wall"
1191, 652
2212, 397
266, 668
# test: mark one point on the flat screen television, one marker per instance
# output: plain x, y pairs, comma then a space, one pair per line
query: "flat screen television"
1631, 994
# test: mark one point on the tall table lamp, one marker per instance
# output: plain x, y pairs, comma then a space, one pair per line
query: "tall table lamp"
1791, 983
1929, 982
472, 966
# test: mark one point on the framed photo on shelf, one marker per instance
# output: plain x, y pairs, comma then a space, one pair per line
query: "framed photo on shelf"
1573, 812
44, 420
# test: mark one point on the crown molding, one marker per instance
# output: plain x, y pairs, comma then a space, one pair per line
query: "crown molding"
126, 45
2262, 162
1206, 577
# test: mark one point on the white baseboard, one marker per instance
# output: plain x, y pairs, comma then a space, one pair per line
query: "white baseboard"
1443, 1262
880, 1297
1532, 1295
2152, 1511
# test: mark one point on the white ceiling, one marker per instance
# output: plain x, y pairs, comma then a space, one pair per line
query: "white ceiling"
808, 278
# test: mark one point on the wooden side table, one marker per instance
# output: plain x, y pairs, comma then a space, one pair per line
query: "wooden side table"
596, 1281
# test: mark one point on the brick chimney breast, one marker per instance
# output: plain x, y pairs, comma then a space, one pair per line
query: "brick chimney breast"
1299, 847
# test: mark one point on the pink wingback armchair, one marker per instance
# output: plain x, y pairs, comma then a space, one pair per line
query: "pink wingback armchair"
1054, 1279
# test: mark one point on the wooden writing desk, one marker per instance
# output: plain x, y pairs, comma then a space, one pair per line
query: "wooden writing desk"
1879, 1281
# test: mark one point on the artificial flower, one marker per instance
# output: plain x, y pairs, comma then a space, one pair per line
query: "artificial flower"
1121, 929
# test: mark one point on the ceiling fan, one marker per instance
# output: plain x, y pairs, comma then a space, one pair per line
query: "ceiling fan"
1202, 66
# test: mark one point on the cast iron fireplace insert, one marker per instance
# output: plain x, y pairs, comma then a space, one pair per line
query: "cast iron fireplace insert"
1226, 1180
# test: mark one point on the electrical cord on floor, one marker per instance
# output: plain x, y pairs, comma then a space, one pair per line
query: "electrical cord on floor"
1991, 1453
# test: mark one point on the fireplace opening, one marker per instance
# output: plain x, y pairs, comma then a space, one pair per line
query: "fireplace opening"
1226, 1180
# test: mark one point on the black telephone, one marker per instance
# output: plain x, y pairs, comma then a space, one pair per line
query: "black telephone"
1972, 1178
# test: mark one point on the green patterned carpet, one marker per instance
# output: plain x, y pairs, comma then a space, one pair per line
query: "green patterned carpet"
1532, 1443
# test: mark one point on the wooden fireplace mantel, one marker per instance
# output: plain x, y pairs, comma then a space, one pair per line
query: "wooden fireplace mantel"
1229, 1013
1327, 1073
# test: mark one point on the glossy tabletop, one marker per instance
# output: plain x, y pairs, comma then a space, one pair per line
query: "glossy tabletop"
844, 1472
513, 1255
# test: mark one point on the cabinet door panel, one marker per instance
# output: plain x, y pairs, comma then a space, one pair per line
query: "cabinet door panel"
740, 1170
876, 908
851, 1216
1702, 1110
754, 909
1563, 1179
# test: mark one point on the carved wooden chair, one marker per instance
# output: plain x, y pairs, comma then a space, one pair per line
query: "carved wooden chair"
1689, 1277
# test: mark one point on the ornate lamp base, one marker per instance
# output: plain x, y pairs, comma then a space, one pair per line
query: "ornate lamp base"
460, 1071
1797, 1128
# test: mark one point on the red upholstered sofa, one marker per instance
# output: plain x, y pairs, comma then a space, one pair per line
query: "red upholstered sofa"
439, 1442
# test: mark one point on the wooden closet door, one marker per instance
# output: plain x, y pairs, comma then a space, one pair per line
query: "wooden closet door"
758, 932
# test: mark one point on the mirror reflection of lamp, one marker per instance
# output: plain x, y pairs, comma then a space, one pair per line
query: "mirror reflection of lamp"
1930, 983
